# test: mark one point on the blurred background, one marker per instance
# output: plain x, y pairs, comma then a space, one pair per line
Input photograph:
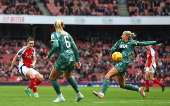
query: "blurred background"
18, 21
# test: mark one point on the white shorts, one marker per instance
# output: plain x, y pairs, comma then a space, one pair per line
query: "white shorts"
153, 69
23, 70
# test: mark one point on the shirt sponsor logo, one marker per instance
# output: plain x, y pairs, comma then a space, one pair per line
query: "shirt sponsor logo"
123, 46
28, 56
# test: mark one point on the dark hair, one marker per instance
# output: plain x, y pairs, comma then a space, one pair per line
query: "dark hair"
30, 39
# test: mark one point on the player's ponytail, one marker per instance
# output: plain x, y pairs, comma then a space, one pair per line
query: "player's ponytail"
30, 39
131, 35
58, 25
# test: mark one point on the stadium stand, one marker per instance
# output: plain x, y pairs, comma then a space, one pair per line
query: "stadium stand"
95, 59
94, 7
14, 7
148, 7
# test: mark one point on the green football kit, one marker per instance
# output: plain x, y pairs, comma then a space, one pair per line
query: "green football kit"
66, 50
126, 48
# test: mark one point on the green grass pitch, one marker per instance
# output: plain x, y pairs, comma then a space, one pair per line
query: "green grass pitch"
15, 96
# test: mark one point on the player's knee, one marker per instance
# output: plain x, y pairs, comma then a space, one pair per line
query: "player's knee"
107, 76
32, 76
146, 76
67, 78
51, 78
41, 79
152, 79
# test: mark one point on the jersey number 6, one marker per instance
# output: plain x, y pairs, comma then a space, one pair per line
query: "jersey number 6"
68, 45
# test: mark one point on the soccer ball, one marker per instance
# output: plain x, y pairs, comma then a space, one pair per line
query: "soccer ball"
116, 56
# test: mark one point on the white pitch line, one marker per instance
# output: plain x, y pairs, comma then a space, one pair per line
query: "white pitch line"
136, 101
103, 102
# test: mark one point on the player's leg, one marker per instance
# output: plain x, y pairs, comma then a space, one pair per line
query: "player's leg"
156, 81
147, 81
121, 81
53, 76
28, 73
113, 72
39, 78
73, 83
32, 85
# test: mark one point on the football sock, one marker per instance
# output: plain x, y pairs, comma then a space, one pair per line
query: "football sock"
60, 95
131, 87
38, 82
105, 85
56, 86
147, 84
33, 85
78, 94
156, 81
73, 83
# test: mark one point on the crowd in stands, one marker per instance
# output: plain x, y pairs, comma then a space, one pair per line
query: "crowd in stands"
14, 7
95, 58
82, 7
149, 7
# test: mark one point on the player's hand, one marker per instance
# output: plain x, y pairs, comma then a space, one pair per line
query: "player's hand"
10, 69
150, 68
162, 40
78, 64
32, 65
47, 58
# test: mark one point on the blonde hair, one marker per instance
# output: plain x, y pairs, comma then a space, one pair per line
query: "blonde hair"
130, 34
58, 26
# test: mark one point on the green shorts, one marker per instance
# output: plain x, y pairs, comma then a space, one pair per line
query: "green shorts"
67, 66
121, 67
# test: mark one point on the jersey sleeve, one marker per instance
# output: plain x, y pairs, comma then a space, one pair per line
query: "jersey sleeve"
146, 43
34, 53
53, 37
152, 52
74, 47
54, 48
116, 45
71, 39
135, 43
21, 52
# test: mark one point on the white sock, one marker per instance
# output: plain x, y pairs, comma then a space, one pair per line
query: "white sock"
78, 94
139, 90
102, 93
60, 95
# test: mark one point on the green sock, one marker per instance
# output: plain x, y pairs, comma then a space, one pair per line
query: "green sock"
131, 87
105, 85
56, 86
73, 83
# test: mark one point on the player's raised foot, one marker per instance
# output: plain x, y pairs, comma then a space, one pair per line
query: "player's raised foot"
36, 94
163, 87
141, 90
99, 94
27, 90
79, 98
59, 100
146, 90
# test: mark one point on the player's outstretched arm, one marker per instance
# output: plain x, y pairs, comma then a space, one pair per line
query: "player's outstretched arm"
13, 62
146, 43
